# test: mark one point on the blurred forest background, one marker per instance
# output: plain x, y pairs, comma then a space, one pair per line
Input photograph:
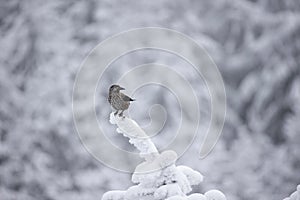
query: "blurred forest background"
255, 43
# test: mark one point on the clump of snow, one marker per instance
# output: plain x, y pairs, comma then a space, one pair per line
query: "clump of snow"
215, 195
196, 196
193, 176
157, 177
114, 195
168, 190
138, 192
176, 198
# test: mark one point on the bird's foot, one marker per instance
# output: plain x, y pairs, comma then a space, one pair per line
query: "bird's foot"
121, 115
115, 113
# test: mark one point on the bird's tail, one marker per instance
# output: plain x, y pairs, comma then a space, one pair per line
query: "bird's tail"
132, 99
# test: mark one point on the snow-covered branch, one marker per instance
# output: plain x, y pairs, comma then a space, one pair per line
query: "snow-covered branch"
157, 177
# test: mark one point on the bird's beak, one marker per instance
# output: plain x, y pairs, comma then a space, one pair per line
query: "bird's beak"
122, 88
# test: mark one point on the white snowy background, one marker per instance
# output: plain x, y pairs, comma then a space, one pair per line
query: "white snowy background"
255, 43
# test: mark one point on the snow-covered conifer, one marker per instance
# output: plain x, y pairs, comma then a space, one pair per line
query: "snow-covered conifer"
157, 177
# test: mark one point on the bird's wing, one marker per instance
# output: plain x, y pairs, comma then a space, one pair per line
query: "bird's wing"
126, 98
109, 99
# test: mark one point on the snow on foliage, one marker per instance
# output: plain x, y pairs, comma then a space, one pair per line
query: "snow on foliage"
157, 177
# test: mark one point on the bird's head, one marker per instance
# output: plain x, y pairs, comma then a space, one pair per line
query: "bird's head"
115, 88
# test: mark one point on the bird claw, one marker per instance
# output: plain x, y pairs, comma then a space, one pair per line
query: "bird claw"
121, 114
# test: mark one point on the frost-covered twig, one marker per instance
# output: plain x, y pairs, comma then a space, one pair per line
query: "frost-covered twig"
157, 177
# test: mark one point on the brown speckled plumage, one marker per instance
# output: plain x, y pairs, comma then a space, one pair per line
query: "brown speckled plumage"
118, 100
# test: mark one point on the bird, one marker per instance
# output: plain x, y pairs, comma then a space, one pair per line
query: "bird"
118, 100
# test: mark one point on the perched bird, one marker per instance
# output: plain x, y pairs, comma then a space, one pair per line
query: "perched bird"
118, 100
